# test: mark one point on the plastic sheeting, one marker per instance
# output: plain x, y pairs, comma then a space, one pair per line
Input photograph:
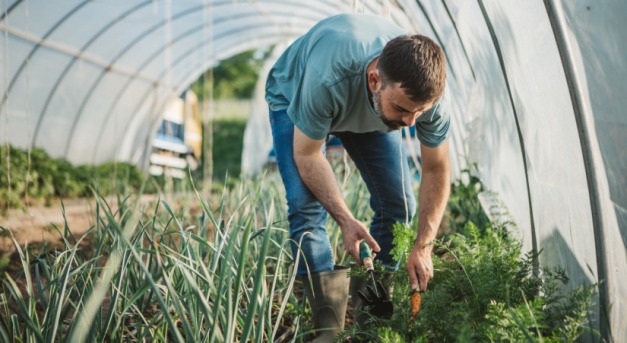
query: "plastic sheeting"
76, 75
258, 134
534, 91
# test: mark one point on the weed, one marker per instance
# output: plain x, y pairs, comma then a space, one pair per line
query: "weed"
463, 205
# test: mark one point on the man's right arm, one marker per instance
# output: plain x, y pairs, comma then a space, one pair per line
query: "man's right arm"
316, 173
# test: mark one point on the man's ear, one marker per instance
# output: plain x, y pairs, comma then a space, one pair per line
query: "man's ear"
374, 80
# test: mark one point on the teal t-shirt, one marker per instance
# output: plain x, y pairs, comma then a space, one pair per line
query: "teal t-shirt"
321, 80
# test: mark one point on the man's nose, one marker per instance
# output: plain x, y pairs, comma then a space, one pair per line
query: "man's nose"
410, 119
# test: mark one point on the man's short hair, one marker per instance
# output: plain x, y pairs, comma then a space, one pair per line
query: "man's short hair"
417, 63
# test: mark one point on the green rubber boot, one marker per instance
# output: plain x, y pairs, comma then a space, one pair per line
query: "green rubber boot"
327, 293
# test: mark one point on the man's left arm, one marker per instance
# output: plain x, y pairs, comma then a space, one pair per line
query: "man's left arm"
432, 198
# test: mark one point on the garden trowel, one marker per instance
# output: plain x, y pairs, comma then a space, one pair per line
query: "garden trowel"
378, 303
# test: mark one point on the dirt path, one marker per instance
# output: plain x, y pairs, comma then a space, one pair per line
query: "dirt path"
35, 223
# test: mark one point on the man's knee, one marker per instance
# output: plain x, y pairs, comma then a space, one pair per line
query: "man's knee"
311, 250
400, 209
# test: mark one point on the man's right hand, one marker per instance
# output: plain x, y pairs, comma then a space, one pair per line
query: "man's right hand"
353, 232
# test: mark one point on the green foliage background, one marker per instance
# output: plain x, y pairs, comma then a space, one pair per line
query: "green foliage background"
233, 78
228, 142
44, 178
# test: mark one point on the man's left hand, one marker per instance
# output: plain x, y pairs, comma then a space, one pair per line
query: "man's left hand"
420, 267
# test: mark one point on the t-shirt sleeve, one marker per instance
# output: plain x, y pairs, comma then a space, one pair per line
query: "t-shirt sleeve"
312, 107
432, 127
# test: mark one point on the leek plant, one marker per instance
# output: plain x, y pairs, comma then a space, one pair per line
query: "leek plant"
155, 274
158, 273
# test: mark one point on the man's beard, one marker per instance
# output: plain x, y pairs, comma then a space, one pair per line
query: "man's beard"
392, 124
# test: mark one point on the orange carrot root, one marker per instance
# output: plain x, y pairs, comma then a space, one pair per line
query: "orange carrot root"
415, 303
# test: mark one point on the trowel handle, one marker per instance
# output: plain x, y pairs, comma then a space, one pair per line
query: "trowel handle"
365, 255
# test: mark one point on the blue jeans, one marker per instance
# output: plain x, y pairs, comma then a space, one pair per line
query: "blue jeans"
376, 155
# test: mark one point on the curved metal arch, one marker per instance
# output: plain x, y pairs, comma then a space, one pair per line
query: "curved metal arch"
241, 45
24, 63
129, 81
183, 56
497, 49
459, 38
146, 62
75, 58
437, 36
409, 9
9, 10
190, 77
129, 46
143, 98
396, 12
187, 82
590, 164
154, 123
329, 5
325, 3
42, 116
208, 64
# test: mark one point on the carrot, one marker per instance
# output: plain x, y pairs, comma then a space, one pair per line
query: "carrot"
415, 303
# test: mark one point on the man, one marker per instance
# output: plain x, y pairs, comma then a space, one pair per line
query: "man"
361, 78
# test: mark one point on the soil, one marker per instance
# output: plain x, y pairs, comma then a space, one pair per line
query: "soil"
36, 224
42, 223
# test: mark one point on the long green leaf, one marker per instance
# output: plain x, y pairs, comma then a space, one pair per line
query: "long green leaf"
259, 277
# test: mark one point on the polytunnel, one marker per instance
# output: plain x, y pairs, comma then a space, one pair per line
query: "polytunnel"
534, 91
